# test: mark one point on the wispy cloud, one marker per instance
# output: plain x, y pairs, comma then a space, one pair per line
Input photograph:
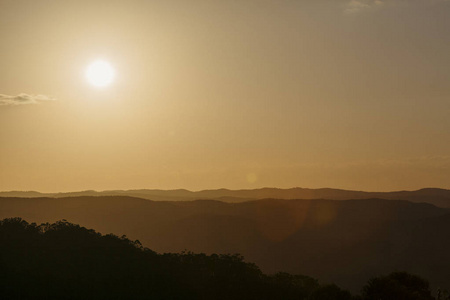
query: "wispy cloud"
356, 6
21, 99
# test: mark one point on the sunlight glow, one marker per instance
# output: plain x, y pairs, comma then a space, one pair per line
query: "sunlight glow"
100, 73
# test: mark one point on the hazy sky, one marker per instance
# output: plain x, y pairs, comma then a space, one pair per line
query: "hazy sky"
235, 94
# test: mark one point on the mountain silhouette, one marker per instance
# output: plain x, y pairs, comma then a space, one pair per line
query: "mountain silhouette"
62, 260
344, 242
435, 196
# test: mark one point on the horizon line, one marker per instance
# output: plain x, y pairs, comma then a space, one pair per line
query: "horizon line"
217, 189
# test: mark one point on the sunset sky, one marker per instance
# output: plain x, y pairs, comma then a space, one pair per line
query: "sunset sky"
225, 94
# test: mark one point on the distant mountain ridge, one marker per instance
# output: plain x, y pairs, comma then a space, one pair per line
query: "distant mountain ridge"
435, 196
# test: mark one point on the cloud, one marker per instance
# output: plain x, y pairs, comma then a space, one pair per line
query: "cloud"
356, 6
21, 99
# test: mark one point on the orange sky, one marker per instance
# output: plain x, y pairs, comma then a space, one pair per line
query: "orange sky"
236, 94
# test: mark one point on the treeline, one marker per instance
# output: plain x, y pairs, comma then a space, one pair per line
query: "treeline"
66, 261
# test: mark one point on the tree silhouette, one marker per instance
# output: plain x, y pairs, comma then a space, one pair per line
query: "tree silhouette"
397, 285
62, 260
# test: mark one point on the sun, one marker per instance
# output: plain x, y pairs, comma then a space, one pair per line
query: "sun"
100, 73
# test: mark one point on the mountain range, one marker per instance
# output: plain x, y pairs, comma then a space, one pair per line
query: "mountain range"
341, 241
436, 196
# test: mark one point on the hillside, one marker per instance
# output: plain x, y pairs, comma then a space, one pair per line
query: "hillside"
66, 261
344, 242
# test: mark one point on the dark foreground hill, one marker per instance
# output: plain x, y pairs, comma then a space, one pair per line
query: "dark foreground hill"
435, 196
66, 261
343, 242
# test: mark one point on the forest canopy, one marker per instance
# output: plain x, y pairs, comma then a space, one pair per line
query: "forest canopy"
66, 261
